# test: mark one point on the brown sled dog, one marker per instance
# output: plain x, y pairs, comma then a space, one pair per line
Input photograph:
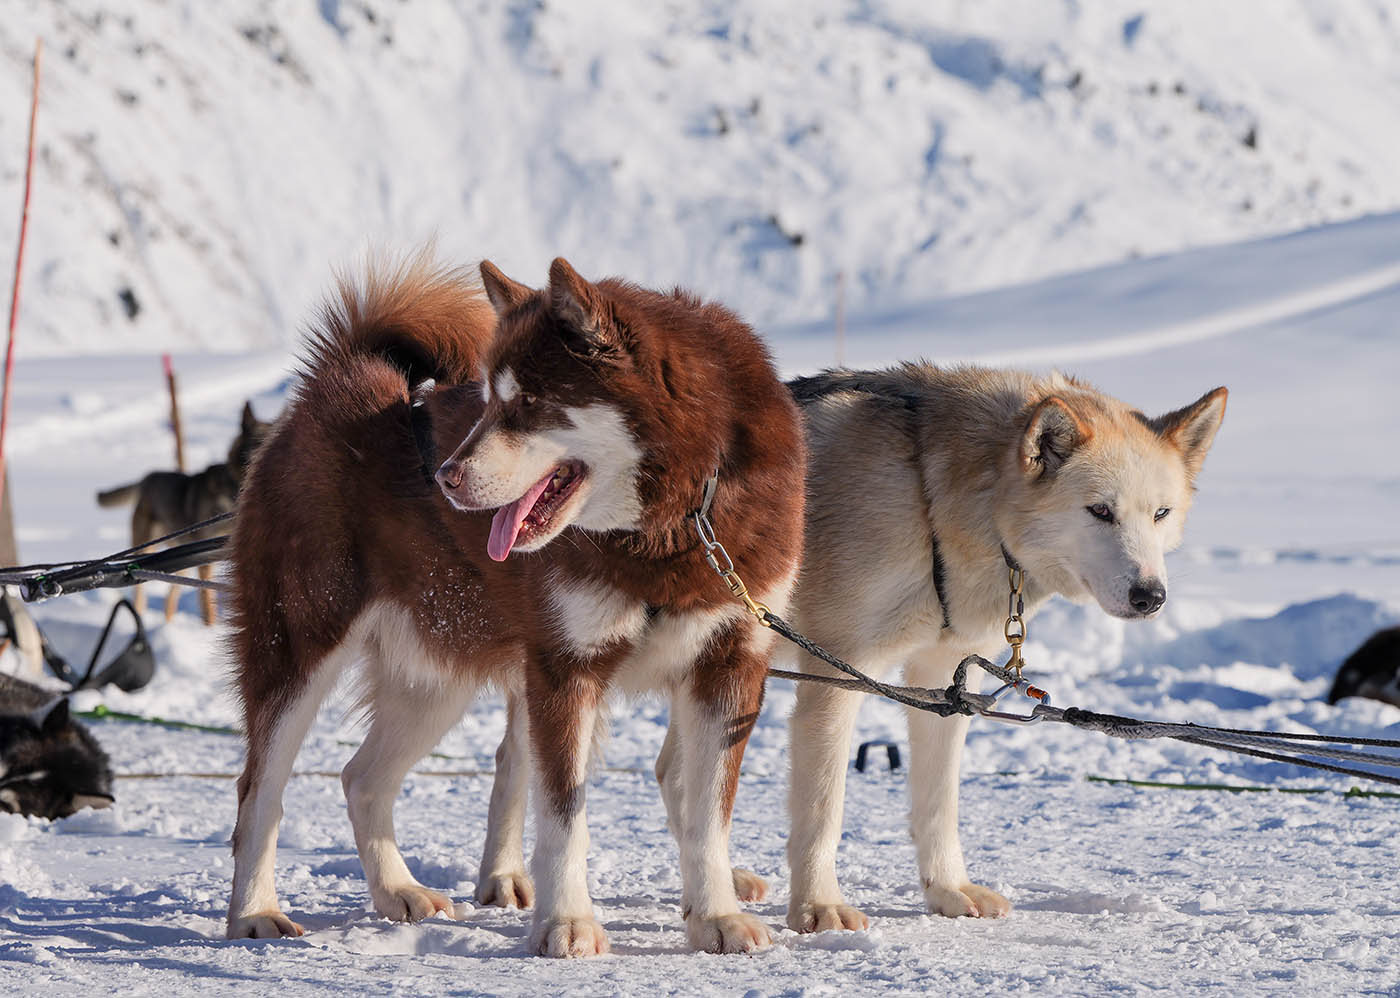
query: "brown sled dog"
560, 562
167, 501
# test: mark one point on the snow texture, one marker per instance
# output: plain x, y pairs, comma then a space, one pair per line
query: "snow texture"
921, 148
201, 166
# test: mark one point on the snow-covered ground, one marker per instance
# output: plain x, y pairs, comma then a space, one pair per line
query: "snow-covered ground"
1292, 558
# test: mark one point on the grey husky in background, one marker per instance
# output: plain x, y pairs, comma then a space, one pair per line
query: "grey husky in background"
166, 501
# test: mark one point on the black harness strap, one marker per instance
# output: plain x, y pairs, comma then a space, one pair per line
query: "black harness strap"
940, 571
939, 578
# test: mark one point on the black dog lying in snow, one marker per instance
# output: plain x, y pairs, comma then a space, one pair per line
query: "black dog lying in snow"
50, 766
1373, 670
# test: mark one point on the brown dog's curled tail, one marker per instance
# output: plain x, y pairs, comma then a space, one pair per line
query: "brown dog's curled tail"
427, 320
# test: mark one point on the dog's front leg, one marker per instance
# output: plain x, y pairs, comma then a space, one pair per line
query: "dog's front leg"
563, 703
503, 880
715, 712
935, 744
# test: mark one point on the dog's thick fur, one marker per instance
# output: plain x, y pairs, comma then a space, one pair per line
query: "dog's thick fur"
919, 478
588, 422
50, 765
166, 501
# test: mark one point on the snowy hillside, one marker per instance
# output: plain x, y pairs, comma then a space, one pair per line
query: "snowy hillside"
1291, 560
202, 165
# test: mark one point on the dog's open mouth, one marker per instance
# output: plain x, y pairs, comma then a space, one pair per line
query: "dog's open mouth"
531, 514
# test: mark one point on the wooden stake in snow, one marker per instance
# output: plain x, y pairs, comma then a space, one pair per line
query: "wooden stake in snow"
174, 412
19, 263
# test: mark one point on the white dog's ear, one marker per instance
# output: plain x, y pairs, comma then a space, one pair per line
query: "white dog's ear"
579, 306
503, 293
1192, 429
1052, 433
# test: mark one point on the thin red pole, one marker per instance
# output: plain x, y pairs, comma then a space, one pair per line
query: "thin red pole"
19, 260
174, 412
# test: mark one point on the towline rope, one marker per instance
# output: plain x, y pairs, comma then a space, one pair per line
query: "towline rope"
41, 582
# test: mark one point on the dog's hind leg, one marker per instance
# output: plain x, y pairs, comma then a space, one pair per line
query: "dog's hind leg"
208, 606
172, 601
408, 721
820, 744
935, 747
503, 880
276, 723
142, 530
748, 886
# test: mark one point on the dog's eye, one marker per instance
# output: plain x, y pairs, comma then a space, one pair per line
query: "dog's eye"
526, 399
1100, 511
1161, 513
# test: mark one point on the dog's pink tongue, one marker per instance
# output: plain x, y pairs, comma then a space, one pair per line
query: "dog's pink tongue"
505, 525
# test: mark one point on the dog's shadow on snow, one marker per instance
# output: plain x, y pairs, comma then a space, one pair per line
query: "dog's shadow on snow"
96, 927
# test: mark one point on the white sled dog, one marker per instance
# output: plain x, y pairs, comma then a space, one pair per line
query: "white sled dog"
924, 484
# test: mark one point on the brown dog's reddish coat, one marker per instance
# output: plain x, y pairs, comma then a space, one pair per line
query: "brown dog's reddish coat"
344, 542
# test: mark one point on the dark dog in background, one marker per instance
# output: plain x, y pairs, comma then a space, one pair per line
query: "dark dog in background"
1372, 671
50, 766
167, 501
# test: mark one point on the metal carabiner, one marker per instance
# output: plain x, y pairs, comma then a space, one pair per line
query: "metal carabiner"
1024, 687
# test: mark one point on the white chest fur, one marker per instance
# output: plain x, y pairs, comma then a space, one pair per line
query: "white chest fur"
591, 616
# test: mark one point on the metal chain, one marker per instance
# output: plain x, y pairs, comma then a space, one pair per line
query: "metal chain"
1015, 627
719, 558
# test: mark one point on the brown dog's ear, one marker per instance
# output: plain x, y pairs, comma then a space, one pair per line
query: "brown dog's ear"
250, 421
577, 304
503, 293
1052, 433
1192, 429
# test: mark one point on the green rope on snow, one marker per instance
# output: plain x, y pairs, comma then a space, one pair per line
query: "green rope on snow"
1231, 788
104, 713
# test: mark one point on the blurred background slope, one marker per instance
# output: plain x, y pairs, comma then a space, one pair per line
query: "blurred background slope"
203, 166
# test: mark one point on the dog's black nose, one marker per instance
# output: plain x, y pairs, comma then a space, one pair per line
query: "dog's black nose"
449, 476
1147, 597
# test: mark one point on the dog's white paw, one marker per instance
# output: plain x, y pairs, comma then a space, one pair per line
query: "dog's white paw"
825, 917
507, 890
411, 903
971, 900
569, 937
749, 886
737, 933
263, 925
